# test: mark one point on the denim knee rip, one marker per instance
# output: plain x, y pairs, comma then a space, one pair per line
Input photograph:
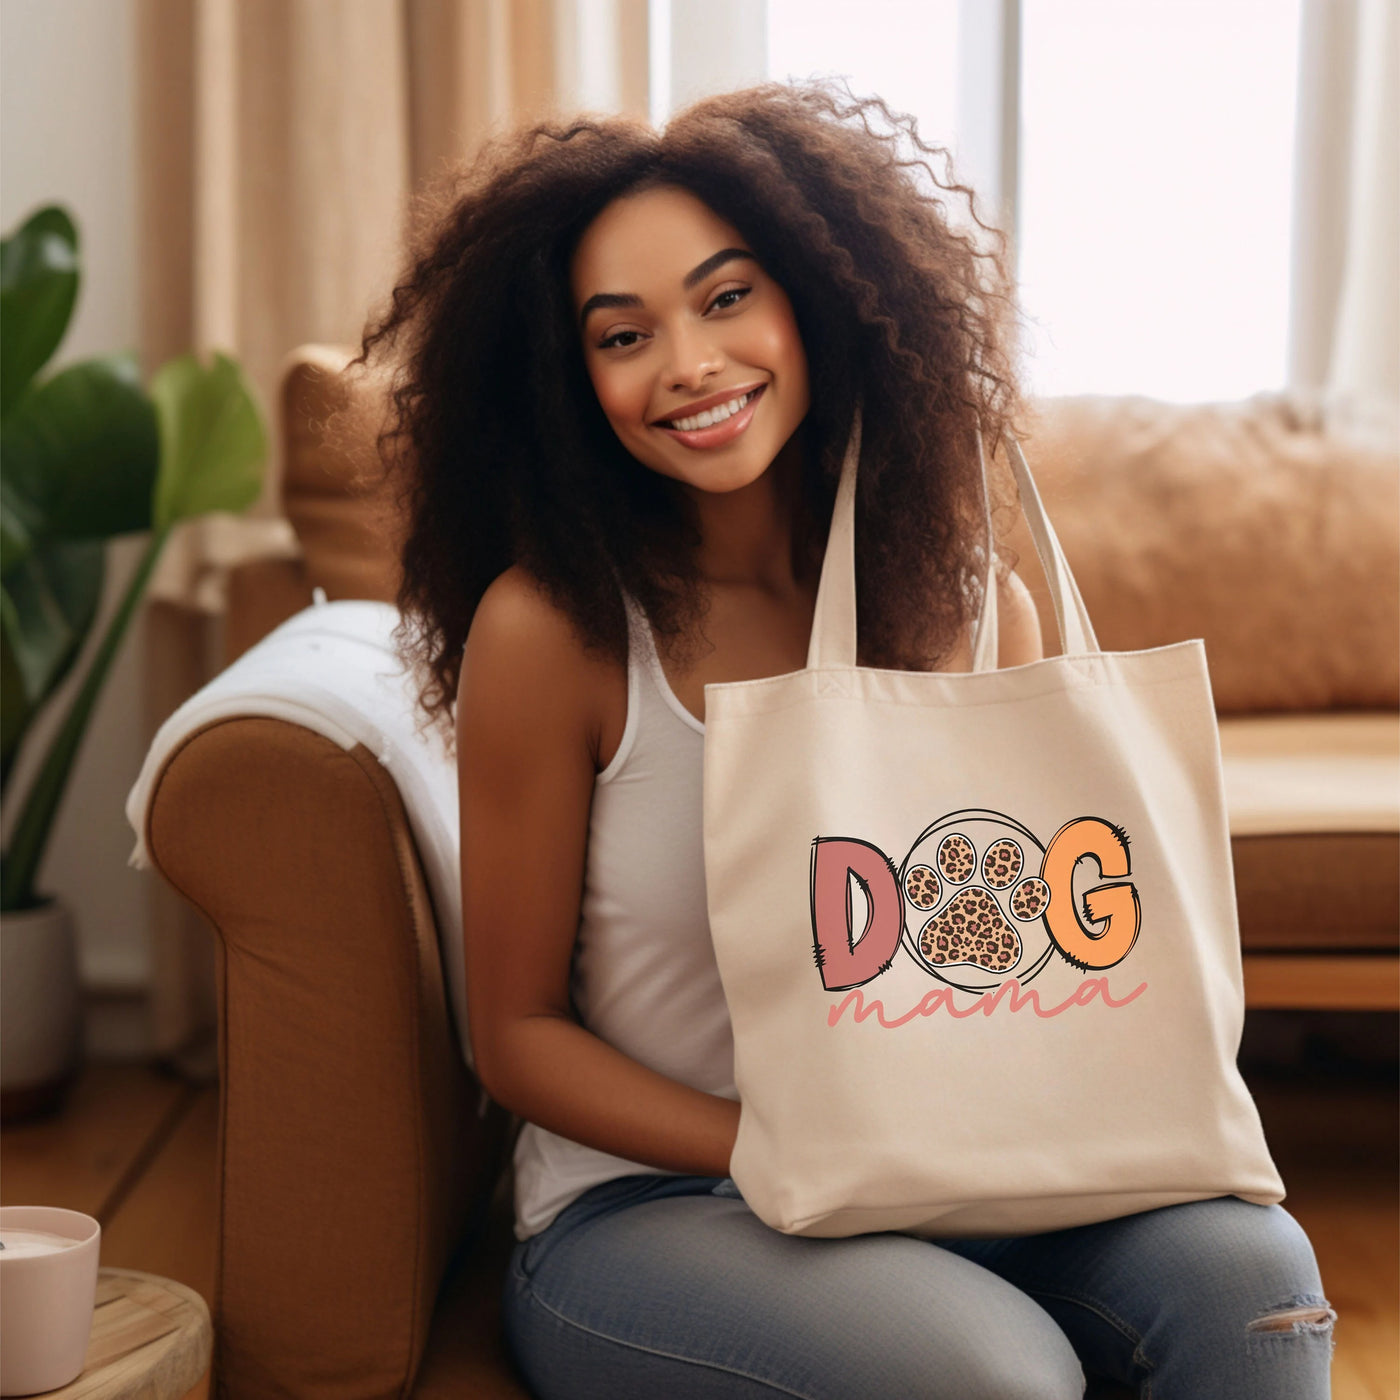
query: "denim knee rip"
1304, 1312
1306, 1319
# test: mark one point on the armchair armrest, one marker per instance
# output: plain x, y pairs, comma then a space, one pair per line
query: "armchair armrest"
351, 1153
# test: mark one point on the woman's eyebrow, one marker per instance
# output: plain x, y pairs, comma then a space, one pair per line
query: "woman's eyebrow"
691, 279
602, 299
711, 264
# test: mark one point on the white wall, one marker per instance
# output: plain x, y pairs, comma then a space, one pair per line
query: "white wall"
67, 135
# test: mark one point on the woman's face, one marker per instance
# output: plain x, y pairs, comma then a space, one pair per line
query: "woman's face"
692, 348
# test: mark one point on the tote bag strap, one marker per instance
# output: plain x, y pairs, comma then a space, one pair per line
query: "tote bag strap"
984, 648
834, 624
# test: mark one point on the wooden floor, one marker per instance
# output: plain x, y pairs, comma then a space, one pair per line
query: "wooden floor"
136, 1149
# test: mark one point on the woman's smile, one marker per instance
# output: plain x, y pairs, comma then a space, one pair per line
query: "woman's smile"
716, 426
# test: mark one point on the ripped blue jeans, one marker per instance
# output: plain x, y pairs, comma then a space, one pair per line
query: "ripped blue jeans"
670, 1286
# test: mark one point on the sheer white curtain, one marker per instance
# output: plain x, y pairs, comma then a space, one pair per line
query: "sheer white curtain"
1344, 332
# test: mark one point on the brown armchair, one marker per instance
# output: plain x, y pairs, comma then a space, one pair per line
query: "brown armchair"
364, 1183
365, 1194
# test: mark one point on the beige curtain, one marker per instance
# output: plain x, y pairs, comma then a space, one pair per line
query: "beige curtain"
278, 142
1344, 336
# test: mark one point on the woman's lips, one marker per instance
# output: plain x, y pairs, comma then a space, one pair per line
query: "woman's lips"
717, 434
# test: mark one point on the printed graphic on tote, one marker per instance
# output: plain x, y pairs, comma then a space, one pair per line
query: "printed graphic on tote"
977, 898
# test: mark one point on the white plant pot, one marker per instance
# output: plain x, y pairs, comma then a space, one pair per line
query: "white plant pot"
40, 1007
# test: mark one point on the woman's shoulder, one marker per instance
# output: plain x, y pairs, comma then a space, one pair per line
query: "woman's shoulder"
516, 604
1019, 638
524, 658
521, 635
1018, 627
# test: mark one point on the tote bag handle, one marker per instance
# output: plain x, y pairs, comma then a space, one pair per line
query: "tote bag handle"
834, 624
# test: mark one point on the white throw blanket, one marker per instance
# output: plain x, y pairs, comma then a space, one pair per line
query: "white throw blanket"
333, 669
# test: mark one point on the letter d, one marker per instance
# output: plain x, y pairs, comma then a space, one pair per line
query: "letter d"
845, 958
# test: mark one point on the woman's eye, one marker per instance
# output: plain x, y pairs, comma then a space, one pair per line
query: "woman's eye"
738, 294
620, 338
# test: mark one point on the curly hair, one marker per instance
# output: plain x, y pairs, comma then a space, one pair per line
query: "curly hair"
502, 452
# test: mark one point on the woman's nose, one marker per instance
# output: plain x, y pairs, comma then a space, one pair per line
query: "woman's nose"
694, 357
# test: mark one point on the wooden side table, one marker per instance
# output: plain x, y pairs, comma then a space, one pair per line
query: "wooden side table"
151, 1340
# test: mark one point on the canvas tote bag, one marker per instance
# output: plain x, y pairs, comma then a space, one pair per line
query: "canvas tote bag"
977, 931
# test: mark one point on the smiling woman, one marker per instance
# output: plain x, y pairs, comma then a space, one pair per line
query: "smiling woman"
544, 311
634, 364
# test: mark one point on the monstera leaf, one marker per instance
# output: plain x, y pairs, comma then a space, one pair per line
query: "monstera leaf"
81, 452
212, 442
78, 459
88, 456
38, 289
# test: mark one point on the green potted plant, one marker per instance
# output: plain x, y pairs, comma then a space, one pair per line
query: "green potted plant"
86, 454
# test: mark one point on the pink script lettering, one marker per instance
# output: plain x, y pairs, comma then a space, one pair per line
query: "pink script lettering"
941, 998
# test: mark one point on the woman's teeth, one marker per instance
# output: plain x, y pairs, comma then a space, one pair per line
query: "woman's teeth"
711, 416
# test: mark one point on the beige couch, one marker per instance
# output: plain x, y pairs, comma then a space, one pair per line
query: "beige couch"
365, 1213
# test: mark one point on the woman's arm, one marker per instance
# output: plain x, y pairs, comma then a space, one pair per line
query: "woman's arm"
525, 740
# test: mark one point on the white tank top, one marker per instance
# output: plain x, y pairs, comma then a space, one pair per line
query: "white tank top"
644, 977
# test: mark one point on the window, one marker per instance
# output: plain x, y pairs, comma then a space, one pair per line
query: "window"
905, 51
1155, 194
1153, 153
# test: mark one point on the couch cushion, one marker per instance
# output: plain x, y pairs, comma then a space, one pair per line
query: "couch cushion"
1314, 805
1239, 523
334, 491
1318, 892
1300, 774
